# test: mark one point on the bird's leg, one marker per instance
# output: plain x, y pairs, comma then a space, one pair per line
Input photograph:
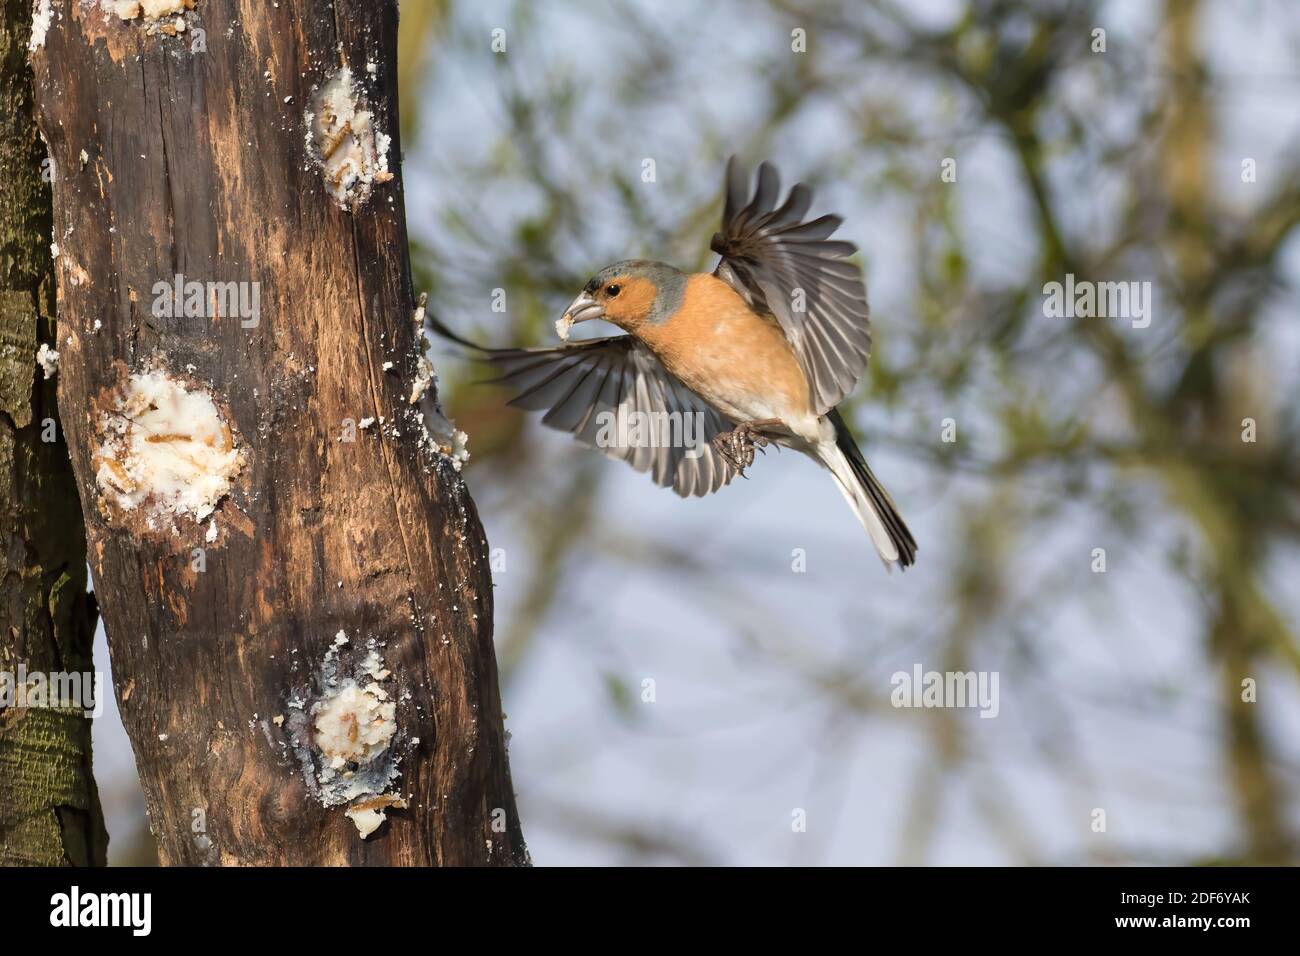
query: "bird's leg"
737, 445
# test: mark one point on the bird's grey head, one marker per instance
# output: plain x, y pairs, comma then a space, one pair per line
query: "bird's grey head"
629, 294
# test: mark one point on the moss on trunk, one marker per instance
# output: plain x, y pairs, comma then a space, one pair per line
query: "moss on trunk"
49, 808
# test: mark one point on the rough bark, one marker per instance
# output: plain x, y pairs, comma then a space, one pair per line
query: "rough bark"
49, 809
198, 161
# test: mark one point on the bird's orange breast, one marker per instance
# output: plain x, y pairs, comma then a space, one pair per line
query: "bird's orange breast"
728, 354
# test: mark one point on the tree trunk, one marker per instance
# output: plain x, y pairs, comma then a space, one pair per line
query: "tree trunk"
292, 574
49, 809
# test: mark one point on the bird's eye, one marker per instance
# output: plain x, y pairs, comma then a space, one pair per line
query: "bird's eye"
613, 290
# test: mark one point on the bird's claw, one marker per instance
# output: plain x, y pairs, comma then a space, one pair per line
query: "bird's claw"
737, 446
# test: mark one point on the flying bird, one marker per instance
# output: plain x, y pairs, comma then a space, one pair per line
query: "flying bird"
759, 351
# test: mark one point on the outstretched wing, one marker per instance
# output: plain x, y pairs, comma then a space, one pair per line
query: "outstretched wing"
592, 388
792, 270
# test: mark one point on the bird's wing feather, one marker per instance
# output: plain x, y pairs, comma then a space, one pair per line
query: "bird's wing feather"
585, 386
769, 254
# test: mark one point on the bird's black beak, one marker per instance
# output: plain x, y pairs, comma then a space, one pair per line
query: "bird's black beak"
583, 308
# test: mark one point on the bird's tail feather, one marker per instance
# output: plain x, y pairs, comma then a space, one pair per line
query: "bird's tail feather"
867, 496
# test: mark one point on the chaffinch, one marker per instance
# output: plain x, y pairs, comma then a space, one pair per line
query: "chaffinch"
761, 350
